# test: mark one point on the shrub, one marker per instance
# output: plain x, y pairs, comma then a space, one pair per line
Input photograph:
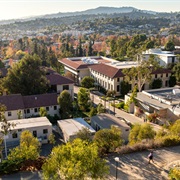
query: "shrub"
174, 173
153, 117
170, 140
121, 105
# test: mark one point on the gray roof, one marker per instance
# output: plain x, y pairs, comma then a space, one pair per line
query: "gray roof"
107, 120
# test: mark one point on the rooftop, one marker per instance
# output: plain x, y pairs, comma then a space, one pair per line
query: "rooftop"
72, 126
31, 122
107, 120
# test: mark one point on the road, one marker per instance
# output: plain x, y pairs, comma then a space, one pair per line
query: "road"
118, 113
133, 166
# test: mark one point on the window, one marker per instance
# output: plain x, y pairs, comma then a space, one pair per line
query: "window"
35, 110
155, 75
161, 75
66, 87
167, 75
9, 113
14, 135
35, 133
55, 107
47, 108
45, 131
28, 111
19, 130
117, 79
173, 59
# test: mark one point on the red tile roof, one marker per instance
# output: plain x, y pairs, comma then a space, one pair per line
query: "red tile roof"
12, 102
161, 71
41, 100
107, 70
57, 79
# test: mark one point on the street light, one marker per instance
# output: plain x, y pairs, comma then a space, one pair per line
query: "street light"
117, 160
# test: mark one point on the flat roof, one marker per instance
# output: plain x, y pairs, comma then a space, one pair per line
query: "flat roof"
124, 64
30, 122
107, 120
72, 126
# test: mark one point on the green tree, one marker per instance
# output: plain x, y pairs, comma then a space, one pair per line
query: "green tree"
156, 83
172, 81
26, 77
108, 140
42, 112
84, 134
141, 74
83, 99
169, 46
175, 129
28, 149
125, 88
100, 108
87, 82
75, 160
51, 138
176, 71
141, 132
65, 103
5, 126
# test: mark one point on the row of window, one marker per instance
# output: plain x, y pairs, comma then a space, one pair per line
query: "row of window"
27, 111
156, 75
15, 135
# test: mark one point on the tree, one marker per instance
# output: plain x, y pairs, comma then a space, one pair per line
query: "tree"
172, 81
156, 83
51, 138
125, 88
65, 103
175, 129
176, 71
141, 132
83, 99
108, 140
75, 160
84, 134
141, 74
26, 77
42, 112
100, 108
5, 126
28, 149
169, 46
87, 82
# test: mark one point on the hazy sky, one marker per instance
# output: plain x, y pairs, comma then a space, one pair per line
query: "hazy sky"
10, 9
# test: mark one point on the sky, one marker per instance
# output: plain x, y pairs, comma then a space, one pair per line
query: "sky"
13, 9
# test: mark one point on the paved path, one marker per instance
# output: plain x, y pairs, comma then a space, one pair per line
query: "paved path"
135, 166
132, 166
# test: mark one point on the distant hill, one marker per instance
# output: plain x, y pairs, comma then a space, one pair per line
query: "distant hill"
99, 10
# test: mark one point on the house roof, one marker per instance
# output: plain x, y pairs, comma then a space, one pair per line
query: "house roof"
72, 126
105, 121
161, 71
12, 102
41, 100
30, 122
57, 79
107, 70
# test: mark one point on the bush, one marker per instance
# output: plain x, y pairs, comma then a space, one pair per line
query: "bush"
174, 173
170, 140
121, 105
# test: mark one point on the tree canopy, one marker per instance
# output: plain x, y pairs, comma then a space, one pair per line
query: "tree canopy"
87, 82
26, 77
65, 103
75, 160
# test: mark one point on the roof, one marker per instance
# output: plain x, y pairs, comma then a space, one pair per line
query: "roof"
161, 71
72, 126
106, 121
12, 102
107, 70
31, 122
57, 79
40, 100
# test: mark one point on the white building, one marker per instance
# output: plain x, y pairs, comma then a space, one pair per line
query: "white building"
40, 127
163, 57
70, 127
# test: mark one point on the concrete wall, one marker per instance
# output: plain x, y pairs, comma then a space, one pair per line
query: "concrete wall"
14, 114
71, 89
